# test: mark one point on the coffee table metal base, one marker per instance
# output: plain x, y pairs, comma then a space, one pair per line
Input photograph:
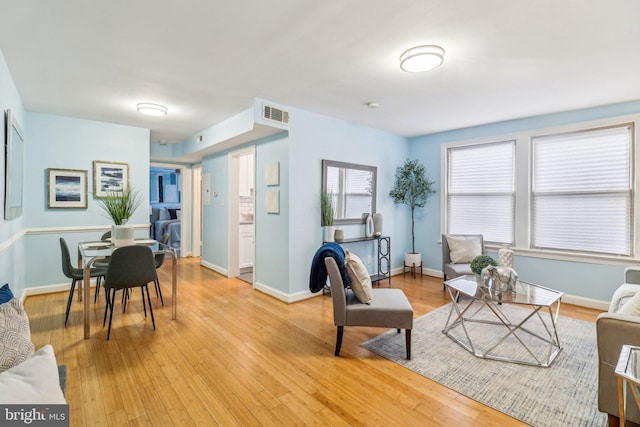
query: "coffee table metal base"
461, 315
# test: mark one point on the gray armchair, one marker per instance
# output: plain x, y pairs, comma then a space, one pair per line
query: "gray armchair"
452, 269
389, 308
613, 330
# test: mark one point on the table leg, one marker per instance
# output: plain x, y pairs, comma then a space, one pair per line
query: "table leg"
621, 402
174, 286
85, 303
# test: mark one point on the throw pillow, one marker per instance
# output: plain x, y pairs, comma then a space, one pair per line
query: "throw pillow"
5, 294
35, 381
359, 276
173, 213
179, 214
15, 335
463, 249
632, 306
164, 214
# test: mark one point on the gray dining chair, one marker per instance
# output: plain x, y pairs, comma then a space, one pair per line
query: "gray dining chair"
129, 267
101, 263
75, 274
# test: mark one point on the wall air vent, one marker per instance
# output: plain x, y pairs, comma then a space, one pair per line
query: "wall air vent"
275, 114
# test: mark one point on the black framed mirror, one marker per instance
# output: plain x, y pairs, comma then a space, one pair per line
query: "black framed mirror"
14, 167
351, 188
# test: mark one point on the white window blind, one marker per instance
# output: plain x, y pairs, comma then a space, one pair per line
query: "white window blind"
481, 191
582, 194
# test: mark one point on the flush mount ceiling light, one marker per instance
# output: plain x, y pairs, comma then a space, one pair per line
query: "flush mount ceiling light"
421, 58
150, 109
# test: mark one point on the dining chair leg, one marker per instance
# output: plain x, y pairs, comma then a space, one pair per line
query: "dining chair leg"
153, 320
159, 290
113, 301
71, 292
107, 293
144, 304
95, 296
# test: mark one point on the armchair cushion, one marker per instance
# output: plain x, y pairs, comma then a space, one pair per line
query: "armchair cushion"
463, 249
359, 276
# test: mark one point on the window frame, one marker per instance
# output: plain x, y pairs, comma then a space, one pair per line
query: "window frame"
524, 182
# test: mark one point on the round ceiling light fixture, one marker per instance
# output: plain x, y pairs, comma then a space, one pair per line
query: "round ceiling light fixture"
421, 58
150, 109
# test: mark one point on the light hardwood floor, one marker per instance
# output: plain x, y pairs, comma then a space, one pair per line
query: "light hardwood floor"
235, 356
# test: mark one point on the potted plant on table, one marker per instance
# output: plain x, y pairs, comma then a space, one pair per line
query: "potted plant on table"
120, 206
326, 209
411, 187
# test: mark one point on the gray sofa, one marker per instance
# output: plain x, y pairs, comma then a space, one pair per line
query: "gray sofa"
613, 330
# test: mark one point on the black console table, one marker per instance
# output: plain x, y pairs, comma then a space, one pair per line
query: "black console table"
384, 255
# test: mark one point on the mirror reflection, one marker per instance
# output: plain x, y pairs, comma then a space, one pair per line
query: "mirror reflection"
351, 189
14, 167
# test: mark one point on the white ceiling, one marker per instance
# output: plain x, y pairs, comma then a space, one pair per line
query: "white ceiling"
206, 60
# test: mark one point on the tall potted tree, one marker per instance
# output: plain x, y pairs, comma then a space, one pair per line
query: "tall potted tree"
120, 206
411, 187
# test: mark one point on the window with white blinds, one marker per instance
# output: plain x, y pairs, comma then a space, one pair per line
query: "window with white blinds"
481, 191
582, 191
350, 191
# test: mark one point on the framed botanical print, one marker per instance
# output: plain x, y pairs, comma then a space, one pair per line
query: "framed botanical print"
67, 188
109, 177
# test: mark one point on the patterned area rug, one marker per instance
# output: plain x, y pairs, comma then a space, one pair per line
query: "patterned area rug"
565, 394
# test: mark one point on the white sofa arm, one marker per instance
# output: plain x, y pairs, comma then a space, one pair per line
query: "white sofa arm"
621, 295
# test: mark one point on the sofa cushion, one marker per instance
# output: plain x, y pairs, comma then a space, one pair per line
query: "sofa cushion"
359, 276
463, 249
15, 335
34, 381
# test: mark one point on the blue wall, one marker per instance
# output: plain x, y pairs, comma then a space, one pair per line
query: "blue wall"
585, 279
68, 143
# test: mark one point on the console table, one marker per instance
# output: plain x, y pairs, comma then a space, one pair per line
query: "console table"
384, 255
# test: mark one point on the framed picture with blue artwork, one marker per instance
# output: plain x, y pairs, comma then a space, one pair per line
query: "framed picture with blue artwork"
109, 177
67, 188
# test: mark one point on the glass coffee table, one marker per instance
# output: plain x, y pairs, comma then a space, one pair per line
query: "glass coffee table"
517, 327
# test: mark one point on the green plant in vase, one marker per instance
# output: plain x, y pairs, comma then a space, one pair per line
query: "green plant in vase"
120, 206
480, 262
327, 213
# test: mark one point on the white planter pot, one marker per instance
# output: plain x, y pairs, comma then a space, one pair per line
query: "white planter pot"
122, 235
329, 233
412, 258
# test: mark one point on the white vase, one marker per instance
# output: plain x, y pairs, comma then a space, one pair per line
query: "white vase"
505, 256
368, 226
338, 234
122, 235
377, 224
329, 233
412, 259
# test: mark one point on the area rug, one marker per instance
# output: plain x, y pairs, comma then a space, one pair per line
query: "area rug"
564, 394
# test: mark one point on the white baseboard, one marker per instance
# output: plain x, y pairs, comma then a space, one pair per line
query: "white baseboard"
288, 298
585, 302
215, 268
51, 289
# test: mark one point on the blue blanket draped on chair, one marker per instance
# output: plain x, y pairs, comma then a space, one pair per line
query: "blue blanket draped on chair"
318, 276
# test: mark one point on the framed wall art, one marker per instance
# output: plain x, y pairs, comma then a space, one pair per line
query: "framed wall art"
67, 188
109, 177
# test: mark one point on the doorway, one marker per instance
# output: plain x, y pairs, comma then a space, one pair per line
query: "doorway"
242, 215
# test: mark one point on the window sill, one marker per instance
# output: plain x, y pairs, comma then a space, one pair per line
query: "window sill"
566, 256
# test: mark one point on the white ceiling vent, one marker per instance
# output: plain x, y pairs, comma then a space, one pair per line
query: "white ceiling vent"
275, 114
